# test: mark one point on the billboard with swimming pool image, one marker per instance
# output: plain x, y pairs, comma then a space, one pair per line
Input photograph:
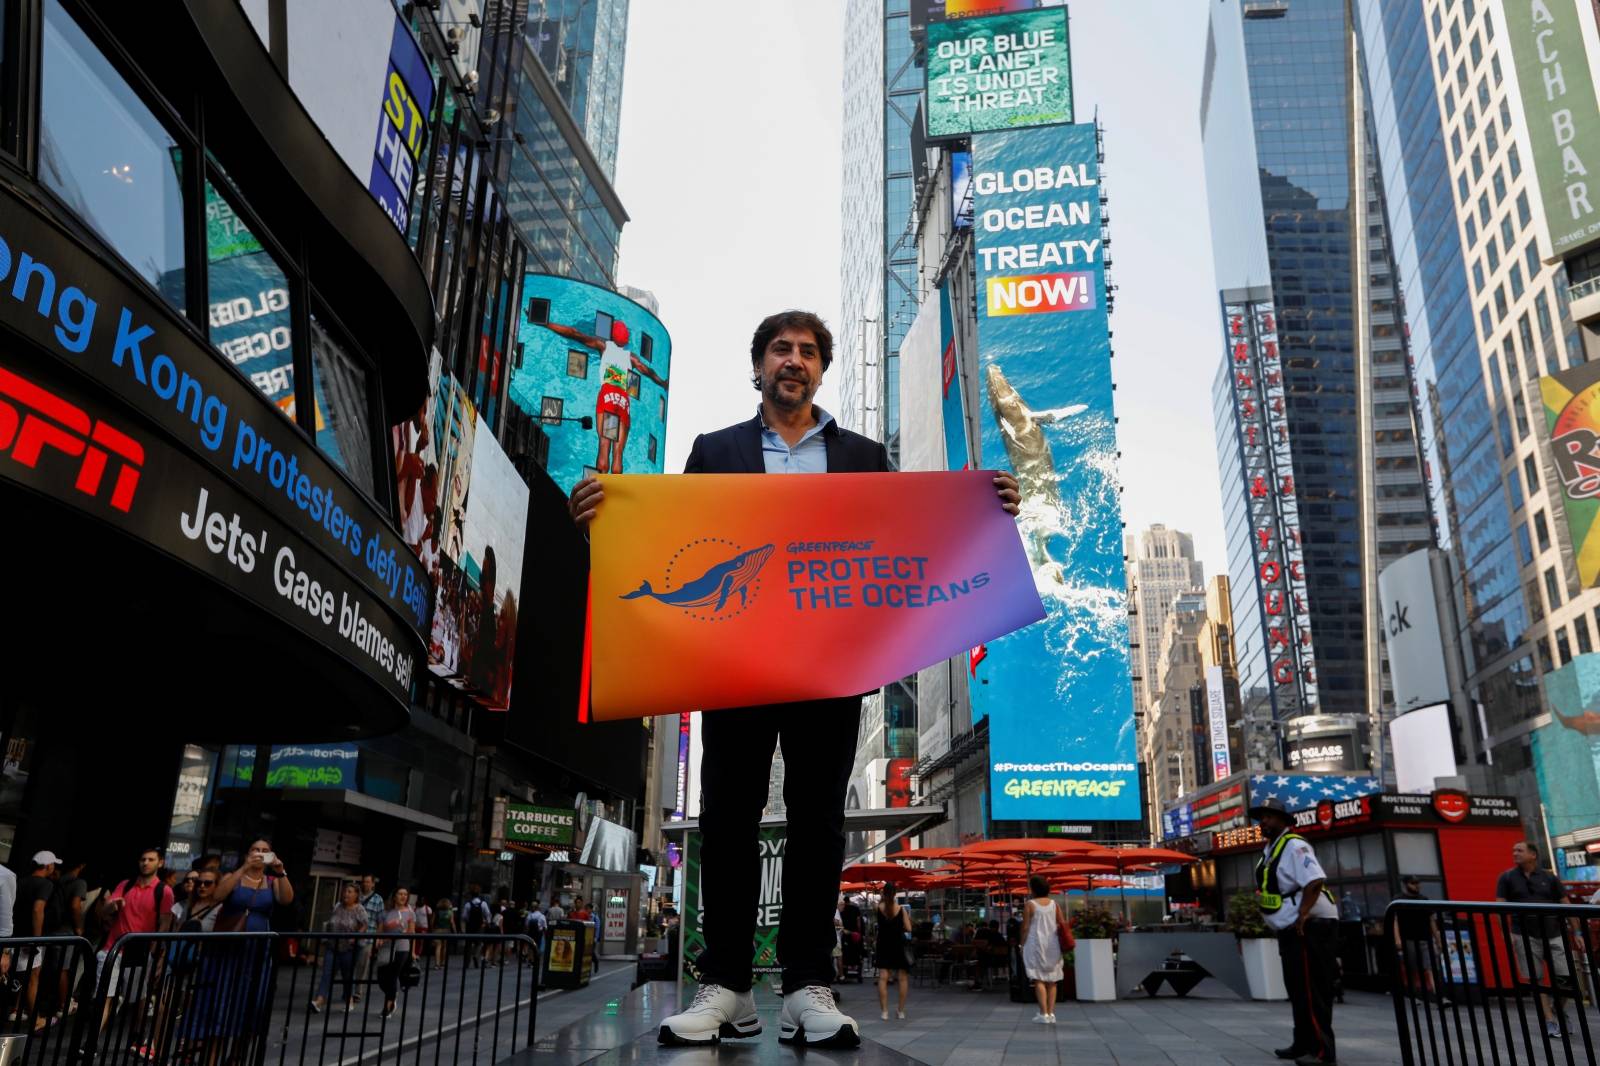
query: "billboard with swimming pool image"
1566, 753
1058, 694
591, 354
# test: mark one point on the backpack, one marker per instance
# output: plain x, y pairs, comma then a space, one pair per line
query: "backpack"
476, 913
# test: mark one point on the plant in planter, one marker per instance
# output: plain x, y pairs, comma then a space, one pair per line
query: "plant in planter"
1067, 987
1094, 971
1261, 966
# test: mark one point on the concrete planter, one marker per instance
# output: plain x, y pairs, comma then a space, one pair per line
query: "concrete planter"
1262, 968
1095, 972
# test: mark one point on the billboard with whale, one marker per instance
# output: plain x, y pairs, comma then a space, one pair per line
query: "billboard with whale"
1058, 695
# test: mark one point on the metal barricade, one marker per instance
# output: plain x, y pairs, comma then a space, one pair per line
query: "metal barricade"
1505, 984
269, 998
46, 983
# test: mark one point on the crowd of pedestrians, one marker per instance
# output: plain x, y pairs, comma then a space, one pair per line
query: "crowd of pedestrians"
210, 997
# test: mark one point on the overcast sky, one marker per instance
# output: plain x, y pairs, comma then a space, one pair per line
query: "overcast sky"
730, 163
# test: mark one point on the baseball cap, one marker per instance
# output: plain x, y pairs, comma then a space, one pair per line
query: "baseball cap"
1271, 803
46, 858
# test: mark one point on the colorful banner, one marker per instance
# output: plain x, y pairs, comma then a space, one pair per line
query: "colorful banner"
1572, 410
1563, 116
1058, 695
692, 575
1001, 72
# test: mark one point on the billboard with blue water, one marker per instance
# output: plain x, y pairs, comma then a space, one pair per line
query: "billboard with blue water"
1058, 694
1566, 753
591, 355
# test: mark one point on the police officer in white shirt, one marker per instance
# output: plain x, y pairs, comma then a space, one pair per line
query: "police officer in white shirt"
1290, 890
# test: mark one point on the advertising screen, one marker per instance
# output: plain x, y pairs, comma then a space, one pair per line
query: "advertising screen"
961, 190
464, 512
1572, 411
1217, 723
1566, 753
1058, 694
1000, 72
1558, 101
769, 906
590, 354
527, 824
293, 766
1411, 631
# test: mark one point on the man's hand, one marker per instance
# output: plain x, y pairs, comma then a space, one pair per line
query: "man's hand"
585, 501
1009, 491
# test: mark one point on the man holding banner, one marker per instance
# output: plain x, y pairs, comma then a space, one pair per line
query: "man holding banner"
789, 435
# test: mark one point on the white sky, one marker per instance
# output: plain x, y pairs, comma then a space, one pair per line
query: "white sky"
729, 164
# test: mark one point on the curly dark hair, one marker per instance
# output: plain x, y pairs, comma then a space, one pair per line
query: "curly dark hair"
773, 325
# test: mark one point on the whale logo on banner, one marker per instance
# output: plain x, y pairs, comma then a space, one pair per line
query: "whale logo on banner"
714, 587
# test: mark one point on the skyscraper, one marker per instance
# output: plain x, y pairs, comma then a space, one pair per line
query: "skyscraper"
883, 88
1161, 566
1488, 316
1316, 425
1177, 690
583, 45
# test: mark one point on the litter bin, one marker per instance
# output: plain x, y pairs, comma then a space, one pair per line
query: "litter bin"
568, 954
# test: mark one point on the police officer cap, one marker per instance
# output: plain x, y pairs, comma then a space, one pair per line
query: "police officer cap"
1271, 803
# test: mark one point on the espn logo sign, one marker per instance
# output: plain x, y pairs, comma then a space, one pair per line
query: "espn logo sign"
33, 419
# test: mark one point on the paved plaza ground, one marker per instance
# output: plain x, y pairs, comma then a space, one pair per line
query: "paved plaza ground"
1210, 1027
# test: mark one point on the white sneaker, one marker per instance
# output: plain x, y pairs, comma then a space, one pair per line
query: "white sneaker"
810, 1016
884, 1015
1050, 1019
1040, 1019
900, 1014
716, 1013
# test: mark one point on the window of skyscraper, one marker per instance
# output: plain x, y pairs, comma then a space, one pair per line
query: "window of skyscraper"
341, 383
1477, 277
1563, 648
1514, 483
1484, 324
1491, 140
1524, 548
1514, 275
1488, 24
1500, 302
1531, 469
1500, 185
646, 347
1541, 531
602, 325
1472, 229
1552, 587
1580, 626
1524, 214
1475, 50
538, 310
1535, 605
1505, 115
1477, 164
1494, 69
1491, 251
1484, 210
1438, 22
1455, 37
1462, 187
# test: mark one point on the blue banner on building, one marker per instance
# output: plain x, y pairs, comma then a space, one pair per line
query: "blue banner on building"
954, 410
1059, 693
404, 107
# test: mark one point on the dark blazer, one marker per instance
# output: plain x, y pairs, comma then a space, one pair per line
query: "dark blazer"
737, 450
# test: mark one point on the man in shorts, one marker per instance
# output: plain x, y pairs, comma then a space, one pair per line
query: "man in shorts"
142, 904
1538, 942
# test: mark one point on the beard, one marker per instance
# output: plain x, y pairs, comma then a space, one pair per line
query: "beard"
784, 399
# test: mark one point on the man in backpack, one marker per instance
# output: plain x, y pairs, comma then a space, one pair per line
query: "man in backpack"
1294, 903
141, 904
474, 919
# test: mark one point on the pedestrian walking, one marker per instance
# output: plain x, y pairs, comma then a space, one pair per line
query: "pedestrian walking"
1416, 934
375, 904
789, 353
1045, 937
399, 921
557, 912
475, 917
1291, 892
444, 921
423, 946
889, 956
537, 924
1538, 943
348, 918
140, 904
35, 915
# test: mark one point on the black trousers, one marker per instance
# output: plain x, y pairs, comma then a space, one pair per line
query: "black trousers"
1310, 967
818, 740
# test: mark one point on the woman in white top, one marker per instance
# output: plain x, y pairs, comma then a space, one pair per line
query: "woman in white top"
1041, 950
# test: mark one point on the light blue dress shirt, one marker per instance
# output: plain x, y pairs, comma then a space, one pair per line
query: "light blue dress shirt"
809, 456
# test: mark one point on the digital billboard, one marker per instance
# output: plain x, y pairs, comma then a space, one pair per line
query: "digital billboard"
999, 72
464, 512
1566, 753
953, 409
1058, 694
589, 353
1572, 411
1563, 116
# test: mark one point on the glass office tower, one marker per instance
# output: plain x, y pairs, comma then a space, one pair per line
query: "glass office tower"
1282, 113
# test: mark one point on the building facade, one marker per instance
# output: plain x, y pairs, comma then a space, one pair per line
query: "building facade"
1161, 566
1175, 746
1317, 436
